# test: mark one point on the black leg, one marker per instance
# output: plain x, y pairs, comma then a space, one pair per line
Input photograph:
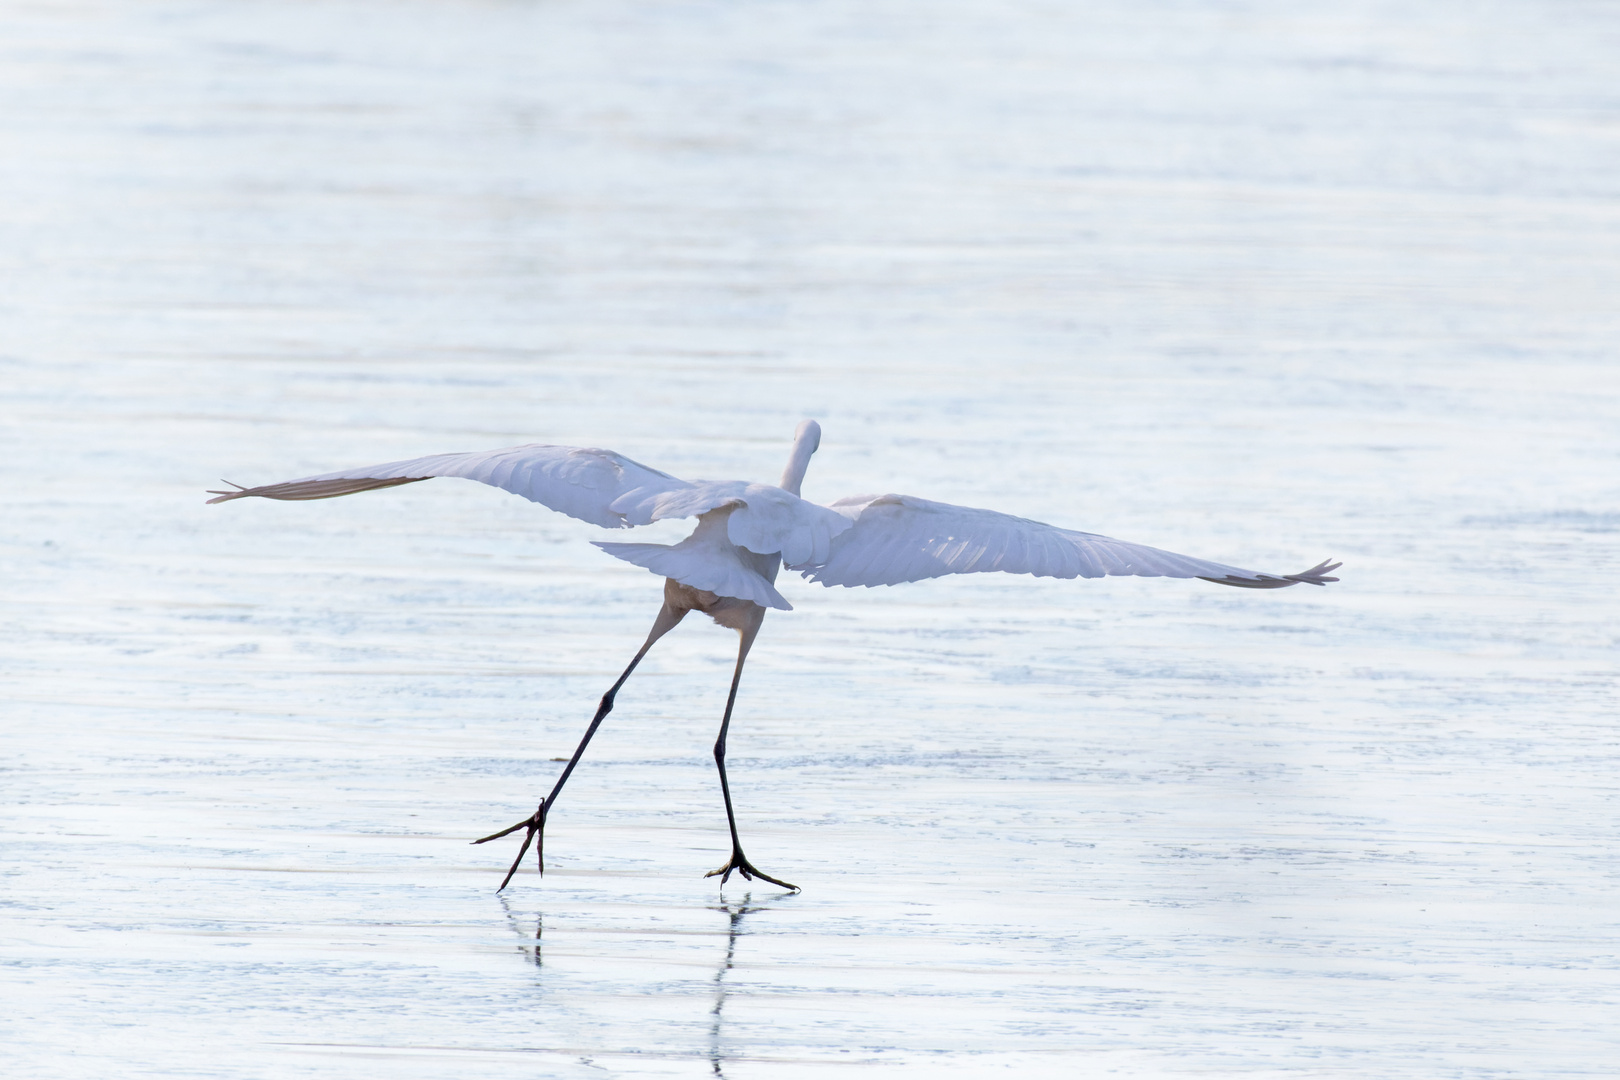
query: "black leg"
536, 822
738, 862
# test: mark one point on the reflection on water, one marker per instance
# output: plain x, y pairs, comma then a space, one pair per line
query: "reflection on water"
518, 923
734, 918
529, 928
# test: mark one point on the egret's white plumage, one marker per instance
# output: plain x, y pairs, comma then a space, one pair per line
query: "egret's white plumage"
710, 559
747, 531
859, 540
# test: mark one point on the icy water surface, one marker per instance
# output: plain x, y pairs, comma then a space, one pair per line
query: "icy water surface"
1263, 283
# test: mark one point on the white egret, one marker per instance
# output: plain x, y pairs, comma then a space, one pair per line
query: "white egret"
745, 533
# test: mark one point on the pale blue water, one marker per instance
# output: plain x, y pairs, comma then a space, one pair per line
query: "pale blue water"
1259, 283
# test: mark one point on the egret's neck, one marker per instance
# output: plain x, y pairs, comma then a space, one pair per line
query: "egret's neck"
805, 441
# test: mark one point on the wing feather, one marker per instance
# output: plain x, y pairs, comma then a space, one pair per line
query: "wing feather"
610, 490
897, 538
581, 482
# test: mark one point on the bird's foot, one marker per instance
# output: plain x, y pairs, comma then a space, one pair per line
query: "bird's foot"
536, 824
738, 863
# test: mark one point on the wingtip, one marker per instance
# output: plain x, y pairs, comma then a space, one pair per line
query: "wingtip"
1318, 574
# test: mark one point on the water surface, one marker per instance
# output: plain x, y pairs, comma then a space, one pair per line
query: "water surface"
1248, 281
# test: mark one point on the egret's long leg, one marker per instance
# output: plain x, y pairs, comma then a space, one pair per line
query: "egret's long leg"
738, 861
536, 823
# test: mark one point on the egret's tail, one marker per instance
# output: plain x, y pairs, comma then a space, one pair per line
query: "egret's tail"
708, 567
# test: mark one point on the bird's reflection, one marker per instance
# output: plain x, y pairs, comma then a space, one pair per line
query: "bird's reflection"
520, 925
734, 913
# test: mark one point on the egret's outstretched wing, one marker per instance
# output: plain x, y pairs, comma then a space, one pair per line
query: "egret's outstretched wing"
597, 486
601, 487
896, 538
